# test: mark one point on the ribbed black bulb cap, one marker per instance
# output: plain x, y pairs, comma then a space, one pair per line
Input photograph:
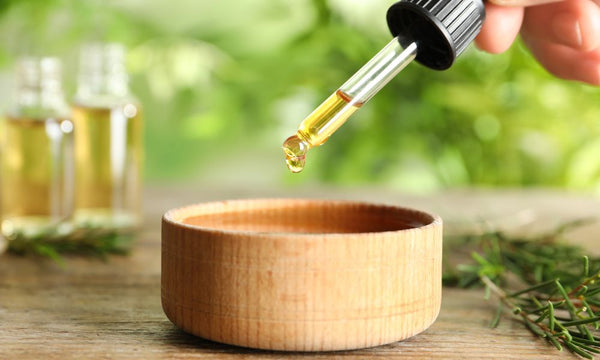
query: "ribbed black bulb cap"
442, 29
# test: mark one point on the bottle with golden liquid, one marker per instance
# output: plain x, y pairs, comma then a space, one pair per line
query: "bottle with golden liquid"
36, 159
108, 142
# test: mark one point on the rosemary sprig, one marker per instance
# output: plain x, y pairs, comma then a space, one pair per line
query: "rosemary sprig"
552, 287
86, 240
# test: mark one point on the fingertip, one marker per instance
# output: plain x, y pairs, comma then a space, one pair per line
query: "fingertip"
567, 63
500, 28
575, 24
589, 15
590, 73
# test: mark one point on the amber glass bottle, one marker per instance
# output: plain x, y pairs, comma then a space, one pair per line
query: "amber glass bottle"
108, 142
36, 153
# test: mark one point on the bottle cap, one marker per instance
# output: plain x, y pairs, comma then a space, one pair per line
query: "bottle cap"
442, 29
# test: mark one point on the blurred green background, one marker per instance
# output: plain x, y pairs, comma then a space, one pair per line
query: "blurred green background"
224, 82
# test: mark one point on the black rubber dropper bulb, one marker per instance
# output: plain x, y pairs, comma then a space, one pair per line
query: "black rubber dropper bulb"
442, 29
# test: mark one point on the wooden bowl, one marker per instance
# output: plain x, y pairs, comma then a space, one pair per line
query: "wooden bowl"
301, 275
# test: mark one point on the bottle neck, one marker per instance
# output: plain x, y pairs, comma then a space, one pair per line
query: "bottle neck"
38, 90
102, 78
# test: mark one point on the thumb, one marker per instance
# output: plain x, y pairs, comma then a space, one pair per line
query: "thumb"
500, 28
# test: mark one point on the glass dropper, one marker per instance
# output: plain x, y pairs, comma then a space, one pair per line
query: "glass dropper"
317, 127
434, 32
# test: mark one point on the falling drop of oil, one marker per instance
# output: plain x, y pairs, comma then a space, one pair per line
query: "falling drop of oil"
295, 150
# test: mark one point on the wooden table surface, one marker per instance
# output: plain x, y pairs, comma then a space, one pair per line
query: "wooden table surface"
91, 309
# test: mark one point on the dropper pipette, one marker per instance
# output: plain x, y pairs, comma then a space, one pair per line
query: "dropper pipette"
434, 32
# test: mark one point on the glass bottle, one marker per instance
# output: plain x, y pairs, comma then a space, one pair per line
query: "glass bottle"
108, 142
36, 159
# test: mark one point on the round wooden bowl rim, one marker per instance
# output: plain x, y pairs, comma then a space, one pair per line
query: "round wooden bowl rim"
168, 217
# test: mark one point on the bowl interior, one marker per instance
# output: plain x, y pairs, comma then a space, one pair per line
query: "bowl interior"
299, 216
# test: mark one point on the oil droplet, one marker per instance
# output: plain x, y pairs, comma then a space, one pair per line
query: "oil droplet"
295, 151
317, 127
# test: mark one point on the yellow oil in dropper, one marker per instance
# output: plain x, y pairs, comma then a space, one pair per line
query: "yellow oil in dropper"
317, 127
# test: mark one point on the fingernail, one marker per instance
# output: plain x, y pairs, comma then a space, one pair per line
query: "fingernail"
567, 30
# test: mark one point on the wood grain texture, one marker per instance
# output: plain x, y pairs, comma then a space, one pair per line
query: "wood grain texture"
95, 310
301, 275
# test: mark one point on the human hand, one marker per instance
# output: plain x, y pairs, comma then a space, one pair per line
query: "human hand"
564, 36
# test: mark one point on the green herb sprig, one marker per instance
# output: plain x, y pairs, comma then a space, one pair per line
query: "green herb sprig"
86, 241
551, 286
